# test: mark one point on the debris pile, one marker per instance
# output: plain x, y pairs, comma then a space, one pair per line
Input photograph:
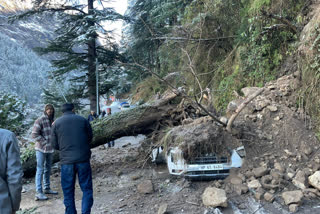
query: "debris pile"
283, 159
200, 138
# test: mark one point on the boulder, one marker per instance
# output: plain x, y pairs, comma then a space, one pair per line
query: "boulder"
272, 108
293, 208
260, 171
214, 197
300, 180
259, 194
268, 197
145, 187
268, 183
311, 190
292, 197
261, 104
236, 180
240, 188
314, 180
163, 209
249, 90
279, 167
276, 174
254, 184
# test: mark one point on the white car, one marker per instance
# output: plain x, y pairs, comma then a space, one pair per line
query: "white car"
209, 166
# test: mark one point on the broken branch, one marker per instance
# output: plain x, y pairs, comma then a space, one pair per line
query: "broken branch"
241, 107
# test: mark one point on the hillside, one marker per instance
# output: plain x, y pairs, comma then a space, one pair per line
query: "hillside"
12, 6
23, 71
30, 33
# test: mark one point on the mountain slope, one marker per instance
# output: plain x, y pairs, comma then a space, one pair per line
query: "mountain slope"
22, 71
11, 6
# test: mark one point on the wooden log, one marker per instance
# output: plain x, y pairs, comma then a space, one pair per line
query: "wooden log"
29, 164
139, 120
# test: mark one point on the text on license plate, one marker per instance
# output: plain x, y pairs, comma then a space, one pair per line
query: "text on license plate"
211, 167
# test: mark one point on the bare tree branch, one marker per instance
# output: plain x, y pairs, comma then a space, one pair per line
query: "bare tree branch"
145, 24
42, 10
177, 91
241, 107
194, 74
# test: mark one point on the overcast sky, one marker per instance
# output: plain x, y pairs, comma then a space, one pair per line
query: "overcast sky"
120, 6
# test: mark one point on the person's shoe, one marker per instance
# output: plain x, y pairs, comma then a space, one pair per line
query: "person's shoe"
49, 191
40, 197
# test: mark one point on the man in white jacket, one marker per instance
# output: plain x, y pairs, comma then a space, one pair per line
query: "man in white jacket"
10, 173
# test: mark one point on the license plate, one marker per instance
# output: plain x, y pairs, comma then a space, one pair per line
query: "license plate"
208, 167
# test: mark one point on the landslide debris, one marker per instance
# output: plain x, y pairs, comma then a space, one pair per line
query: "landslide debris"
281, 149
201, 137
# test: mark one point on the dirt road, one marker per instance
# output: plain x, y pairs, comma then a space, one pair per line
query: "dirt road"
116, 179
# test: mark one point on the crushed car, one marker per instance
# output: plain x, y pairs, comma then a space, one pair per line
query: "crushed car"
209, 166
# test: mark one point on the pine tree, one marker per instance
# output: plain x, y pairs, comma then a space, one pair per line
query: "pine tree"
77, 43
150, 21
12, 112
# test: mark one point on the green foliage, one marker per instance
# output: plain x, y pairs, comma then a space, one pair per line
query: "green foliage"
22, 71
12, 112
239, 43
27, 153
257, 5
150, 21
309, 97
148, 88
263, 46
76, 47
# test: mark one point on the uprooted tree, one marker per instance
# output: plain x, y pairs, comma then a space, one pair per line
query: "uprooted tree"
142, 119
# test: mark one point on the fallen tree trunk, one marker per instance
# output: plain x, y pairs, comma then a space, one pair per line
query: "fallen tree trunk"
29, 164
139, 120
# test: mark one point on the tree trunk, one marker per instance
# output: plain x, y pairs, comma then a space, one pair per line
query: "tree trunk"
29, 166
139, 120
92, 63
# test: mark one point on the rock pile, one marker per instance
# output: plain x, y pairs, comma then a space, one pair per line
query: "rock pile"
282, 160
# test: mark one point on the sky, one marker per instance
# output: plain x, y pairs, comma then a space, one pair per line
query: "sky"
120, 6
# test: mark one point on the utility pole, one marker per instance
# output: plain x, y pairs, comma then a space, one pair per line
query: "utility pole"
97, 85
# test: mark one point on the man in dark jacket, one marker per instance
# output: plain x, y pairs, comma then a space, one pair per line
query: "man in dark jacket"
41, 133
71, 135
92, 116
10, 173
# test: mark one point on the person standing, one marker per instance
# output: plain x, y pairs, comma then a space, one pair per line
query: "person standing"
41, 133
110, 143
71, 135
103, 113
92, 116
10, 173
